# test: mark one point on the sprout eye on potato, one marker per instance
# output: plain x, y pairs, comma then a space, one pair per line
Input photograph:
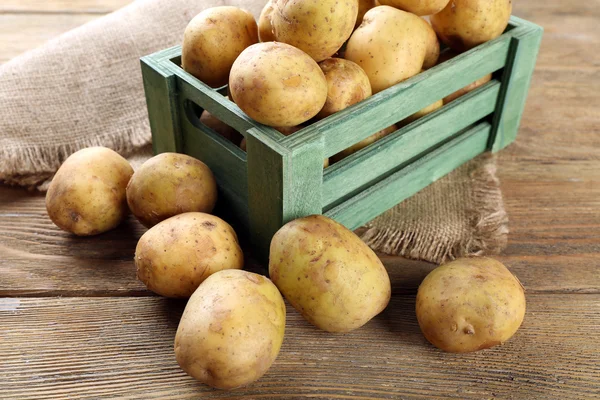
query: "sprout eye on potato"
87, 194
470, 304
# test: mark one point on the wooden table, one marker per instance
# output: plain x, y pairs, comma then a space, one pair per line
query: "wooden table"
75, 322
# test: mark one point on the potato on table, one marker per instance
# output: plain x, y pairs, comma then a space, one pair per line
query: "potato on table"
214, 39
470, 304
174, 257
328, 274
169, 184
231, 330
87, 194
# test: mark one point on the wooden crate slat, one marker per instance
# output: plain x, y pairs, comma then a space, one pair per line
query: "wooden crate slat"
387, 193
516, 80
160, 88
347, 127
365, 167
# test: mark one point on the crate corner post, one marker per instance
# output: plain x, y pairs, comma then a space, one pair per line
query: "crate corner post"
516, 80
284, 183
160, 87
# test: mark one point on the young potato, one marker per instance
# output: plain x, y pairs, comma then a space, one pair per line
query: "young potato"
87, 194
221, 127
265, 29
392, 45
169, 184
463, 24
231, 330
175, 256
418, 7
470, 304
347, 84
447, 55
277, 85
214, 39
363, 7
317, 27
421, 113
363, 143
328, 274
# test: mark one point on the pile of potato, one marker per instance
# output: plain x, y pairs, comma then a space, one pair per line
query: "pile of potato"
233, 325
292, 68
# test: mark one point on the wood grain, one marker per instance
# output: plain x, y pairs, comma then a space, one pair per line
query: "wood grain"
113, 347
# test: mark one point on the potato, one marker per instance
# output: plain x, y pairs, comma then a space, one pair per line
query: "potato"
347, 84
328, 274
265, 29
470, 304
87, 194
421, 113
214, 39
278, 85
363, 7
221, 127
470, 87
317, 27
286, 131
363, 143
392, 45
463, 24
169, 184
175, 256
418, 7
231, 329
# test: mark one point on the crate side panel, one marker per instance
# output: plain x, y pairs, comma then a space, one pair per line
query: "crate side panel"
160, 88
387, 193
383, 156
516, 82
347, 127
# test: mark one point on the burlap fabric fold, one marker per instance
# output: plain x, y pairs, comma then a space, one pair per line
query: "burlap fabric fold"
84, 88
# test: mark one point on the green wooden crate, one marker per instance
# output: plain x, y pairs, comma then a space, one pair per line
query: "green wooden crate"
281, 178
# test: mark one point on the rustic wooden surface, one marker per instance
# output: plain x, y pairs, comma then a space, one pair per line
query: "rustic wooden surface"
75, 323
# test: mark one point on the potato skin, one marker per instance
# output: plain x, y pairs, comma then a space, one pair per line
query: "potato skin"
277, 85
317, 27
464, 24
175, 256
169, 184
221, 127
231, 330
392, 45
449, 54
470, 304
87, 194
363, 143
347, 84
214, 39
363, 7
417, 7
265, 29
328, 274
422, 112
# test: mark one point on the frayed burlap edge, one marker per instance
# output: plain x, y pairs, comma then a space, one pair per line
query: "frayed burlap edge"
488, 226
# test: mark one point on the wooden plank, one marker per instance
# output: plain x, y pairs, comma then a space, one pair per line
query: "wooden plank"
62, 6
56, 348
409, 180
515, 85
160, 88
365, 167
355, 123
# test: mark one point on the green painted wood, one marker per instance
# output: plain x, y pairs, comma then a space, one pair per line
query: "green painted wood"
385, 108
160, 88
515, 85
409, 180
282, 185
371, 164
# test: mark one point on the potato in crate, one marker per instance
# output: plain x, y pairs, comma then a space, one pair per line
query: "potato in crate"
281, 175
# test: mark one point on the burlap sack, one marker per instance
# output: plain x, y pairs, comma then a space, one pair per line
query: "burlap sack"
85, 88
